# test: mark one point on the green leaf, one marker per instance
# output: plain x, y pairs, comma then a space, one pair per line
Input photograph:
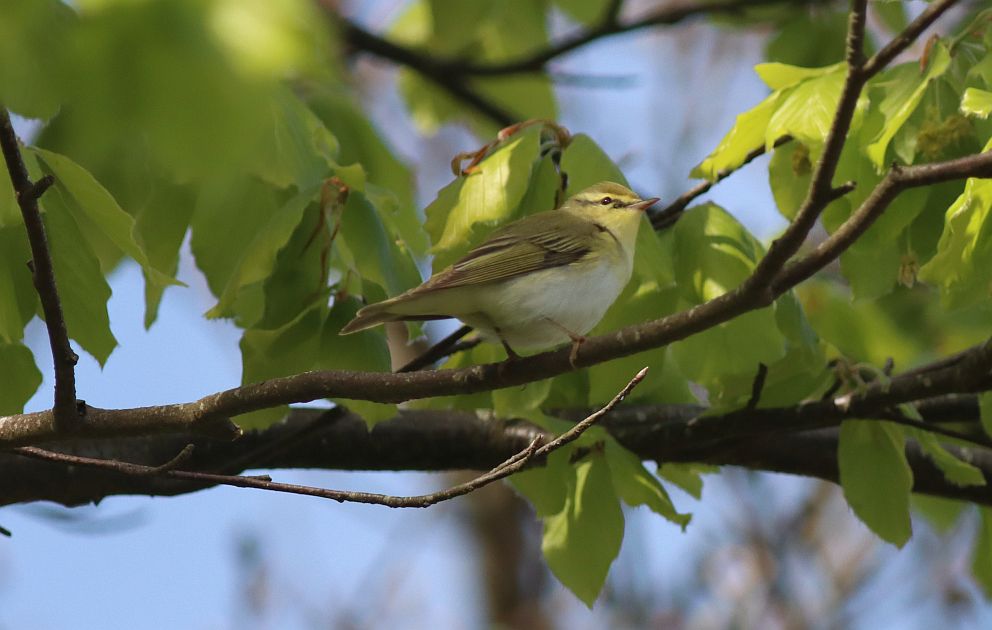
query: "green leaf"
586, 164
581, 541
300, 149
981, 565
636, 486
976, 102
807, 110
376, 255
747, 134
809, 39
903, 88
34, 34
962, 266
365, 351
778, 76
229, 211
520, 401
266, 354
587, 12
876, 477
472, 205
96, 212
18, 300
160, 226
956, 471
19, 375
687, 476
713, 253
985, 406
789, 174
362, 143
81, 283
546, 487
259, 256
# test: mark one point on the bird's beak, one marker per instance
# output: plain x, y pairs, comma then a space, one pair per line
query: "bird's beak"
643, 205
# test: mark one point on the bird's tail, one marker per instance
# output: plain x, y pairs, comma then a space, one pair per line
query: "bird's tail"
369, 316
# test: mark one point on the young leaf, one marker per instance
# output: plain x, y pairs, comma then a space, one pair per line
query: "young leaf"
18, 299
581, 541
976, 102
688, 477
956, 471
962, 266
471, 206
258, 257
636, 486
82, 286
807, 110
96, 212
366, 351
747, 134
903, 88
876, 477
19, 375
291, 349
377, 256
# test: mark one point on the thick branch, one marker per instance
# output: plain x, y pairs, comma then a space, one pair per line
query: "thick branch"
446, 440
516, 462
43, 273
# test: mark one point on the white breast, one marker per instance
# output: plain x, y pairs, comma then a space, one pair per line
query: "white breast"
536, 310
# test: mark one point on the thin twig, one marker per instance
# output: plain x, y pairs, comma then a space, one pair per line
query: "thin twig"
667, 216
514, 464
43, 273
172, 464
757, 386
438, 351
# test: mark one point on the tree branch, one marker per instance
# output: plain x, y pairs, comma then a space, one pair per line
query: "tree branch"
515, 463
43, 274
446, 440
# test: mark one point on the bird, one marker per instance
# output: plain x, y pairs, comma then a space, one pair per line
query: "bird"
537, 282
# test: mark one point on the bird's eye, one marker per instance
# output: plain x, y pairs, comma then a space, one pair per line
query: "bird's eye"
606, 201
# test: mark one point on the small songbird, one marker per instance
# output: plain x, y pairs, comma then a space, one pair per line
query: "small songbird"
536, 282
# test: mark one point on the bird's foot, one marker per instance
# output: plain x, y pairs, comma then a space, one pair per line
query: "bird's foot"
573, 355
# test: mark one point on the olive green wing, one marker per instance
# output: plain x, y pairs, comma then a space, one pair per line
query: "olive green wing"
540, 241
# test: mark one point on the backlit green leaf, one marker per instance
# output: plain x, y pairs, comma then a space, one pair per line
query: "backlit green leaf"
876, 477
581, 541
962, 267
956, 470
903, 88
290, 349
18, 300
81, 283
747, 134
19, 375
471, 206
807, 110
636, 486
976, 102
364, 351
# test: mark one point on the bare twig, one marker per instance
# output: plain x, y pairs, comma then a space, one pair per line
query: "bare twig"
667, 216
43, 273
514, 464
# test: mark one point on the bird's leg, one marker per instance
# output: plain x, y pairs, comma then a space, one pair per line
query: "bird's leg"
577, 340
511, 355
